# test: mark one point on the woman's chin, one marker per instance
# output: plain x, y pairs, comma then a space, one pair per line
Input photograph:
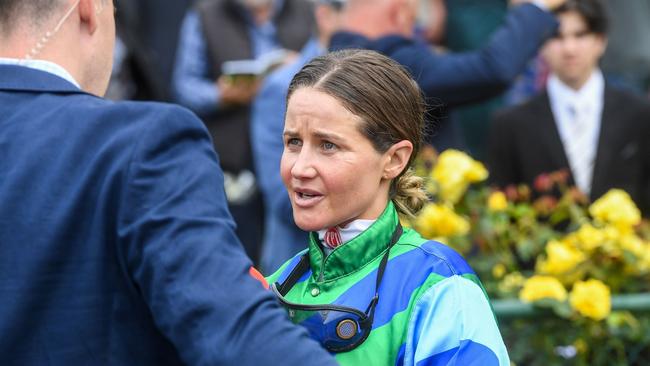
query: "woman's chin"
309, 226
308, 223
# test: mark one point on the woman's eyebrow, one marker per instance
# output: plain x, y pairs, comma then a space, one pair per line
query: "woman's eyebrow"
290, 133
327, 135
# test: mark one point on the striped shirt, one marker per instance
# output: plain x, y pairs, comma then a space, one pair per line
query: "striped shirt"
432, 308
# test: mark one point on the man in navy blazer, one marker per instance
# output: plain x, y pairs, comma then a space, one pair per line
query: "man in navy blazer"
116, 246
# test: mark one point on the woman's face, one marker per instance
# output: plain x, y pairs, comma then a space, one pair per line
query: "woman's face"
332, 172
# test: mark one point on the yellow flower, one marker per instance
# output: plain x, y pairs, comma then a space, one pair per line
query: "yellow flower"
581, 346
589, 238
560, 258
440, 220
611, 233
616, 207
542, 287
453, 173
497, 201
498, 270
644, 263
591, 299
512, 281
634, 245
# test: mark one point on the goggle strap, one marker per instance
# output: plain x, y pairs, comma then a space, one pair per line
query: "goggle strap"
380, 275
384, 260
295, 275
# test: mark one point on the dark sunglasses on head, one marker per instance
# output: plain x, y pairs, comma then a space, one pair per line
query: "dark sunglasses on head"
338, 328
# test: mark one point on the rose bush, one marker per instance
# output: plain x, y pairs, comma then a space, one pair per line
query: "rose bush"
546, 245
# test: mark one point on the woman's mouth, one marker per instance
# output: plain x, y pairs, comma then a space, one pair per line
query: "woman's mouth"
306, 199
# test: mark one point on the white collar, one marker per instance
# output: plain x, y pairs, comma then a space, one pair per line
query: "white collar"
42, 65
592, 91
349, 232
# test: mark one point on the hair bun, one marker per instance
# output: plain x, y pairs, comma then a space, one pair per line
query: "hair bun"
409, 194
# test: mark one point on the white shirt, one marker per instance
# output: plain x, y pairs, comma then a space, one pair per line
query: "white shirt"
42, 65
349, 232
587, 103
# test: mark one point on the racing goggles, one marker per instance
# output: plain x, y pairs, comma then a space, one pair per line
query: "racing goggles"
338, 328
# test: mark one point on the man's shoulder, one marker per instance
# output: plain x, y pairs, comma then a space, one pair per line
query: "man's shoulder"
627, 97
134, 113
518, 114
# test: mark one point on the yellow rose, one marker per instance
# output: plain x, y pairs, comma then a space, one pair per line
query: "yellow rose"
499, 270
440, 220
453, 173
511, 281
616, 207
542, 287
591, 299
581, 346
589, 238
634, 245
644, 263
560, 258
497, 201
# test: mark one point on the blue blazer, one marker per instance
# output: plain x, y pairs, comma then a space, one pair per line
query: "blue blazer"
116, 246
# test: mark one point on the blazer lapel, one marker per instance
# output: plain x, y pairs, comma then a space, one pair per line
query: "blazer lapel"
548, 133
609, 131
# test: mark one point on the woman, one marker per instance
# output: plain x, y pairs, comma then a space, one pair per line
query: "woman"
366, 288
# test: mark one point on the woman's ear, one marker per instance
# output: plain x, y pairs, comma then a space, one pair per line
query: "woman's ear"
397, 157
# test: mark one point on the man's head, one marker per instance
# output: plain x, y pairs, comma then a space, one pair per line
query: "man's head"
78, 35
574, 52
378, 18
327, 14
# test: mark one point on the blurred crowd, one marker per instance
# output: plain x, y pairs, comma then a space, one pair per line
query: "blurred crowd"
489, 57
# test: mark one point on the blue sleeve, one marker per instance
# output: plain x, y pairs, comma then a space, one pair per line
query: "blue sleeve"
178, 241
452, 324
267, 126
460, 78
191, 84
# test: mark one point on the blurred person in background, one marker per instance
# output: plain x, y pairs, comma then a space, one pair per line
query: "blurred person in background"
581, 123
147, 35
117, 245
453, 78
470, 25
282, 238
627, 59
216, 31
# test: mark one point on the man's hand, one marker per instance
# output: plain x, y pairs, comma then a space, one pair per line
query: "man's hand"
550, 4
237, 92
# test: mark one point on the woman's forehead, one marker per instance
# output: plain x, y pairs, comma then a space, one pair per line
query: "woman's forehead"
310, 105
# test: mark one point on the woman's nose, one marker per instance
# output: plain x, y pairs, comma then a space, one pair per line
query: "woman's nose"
303, 166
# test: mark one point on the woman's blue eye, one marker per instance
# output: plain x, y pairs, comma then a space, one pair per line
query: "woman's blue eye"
293, 142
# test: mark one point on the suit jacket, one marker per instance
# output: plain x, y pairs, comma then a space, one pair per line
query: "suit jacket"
116, 245
524, 143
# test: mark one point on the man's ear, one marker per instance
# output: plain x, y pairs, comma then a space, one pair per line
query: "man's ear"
88, 14
397, 157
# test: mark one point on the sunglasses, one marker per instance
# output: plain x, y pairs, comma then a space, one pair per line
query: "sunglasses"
338, 328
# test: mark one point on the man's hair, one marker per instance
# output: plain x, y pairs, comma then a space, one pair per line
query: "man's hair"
37, 11
592, 11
